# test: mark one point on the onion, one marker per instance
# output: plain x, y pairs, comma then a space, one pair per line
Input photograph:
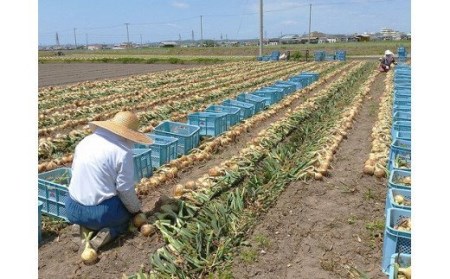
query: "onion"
368, 169
191, 185
399, 199
318, 176
139, 220
147, 230
215, 171
89, 255
379, 172
179, 190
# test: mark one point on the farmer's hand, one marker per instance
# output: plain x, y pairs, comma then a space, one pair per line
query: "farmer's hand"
387, 67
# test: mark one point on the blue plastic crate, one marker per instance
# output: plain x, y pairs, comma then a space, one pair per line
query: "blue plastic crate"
319, 55
402, 87
164, 149
303, 80
400, 108
313, 74
341, 55
402, 102
390, 202
188, 135
402, 92
395, 178
399, 159
270, 96
232, 113
283, 89
296, 85
288, 86
247, 110
40, 206
280, 91
395, 241
404, 260
257, 101
402, 116
210, 123
402, 135
142, 159
404, 126
53, 191
402, 98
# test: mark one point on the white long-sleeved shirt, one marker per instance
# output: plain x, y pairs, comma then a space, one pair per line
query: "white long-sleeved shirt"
102, 168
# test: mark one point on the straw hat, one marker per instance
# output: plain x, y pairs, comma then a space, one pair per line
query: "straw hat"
124, 124
388, 52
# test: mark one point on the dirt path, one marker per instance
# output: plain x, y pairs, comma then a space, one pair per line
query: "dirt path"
59, 74
323, 229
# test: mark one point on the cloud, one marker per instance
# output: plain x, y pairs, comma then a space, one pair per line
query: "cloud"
179, 5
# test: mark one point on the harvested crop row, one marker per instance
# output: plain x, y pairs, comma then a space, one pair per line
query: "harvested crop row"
128, 89
217, 145
257, 78
64, 144
381, 133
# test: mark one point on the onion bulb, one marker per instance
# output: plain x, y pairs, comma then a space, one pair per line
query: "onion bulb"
368, 169
399, 199
89, 255
318, 176
139, 220
191, 185
147, 230
405, 271
179, 190
379, 172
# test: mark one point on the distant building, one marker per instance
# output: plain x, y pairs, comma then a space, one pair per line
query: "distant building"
95, 47
168, 44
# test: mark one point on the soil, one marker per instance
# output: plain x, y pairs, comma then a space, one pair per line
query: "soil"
59, 74
315, 230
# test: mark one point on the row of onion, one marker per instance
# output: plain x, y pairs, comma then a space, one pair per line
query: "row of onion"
264, 138
381, 133
51, 145
324, 157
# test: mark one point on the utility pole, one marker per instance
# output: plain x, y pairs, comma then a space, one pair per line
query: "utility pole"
192, 36
309, 33
87, 41
201, 30
141, 39
57, 39
260, 27
128, 37
75, 36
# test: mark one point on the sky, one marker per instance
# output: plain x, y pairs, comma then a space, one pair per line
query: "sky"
106, 21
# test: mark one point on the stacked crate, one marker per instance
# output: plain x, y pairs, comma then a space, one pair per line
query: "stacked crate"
396, 241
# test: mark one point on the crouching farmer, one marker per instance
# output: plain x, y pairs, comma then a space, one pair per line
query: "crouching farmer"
386, 61
102, 197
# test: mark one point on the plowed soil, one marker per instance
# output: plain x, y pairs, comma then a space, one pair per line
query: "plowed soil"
59, 74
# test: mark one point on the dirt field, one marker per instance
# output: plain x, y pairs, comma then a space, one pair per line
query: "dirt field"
59, 74
316, 230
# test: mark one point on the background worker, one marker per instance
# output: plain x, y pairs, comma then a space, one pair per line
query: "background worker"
101, 192
386, 61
